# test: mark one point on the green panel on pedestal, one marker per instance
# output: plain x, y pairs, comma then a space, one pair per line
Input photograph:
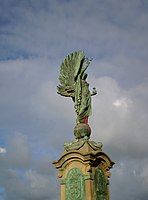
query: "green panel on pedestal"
75, 185
100, 185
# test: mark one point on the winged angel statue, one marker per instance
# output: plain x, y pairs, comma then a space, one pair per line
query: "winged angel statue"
73, 84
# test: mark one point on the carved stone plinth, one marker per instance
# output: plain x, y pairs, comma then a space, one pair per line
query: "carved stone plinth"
83, 171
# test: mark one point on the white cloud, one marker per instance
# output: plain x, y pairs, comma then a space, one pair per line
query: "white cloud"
122, 104
119, 120
2, 150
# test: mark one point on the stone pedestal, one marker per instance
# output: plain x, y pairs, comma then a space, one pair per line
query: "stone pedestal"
83, 171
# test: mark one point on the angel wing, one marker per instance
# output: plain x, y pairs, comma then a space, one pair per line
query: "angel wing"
69, 71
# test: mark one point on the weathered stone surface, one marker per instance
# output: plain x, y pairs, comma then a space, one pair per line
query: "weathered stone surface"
86, 160
75, 185
100, 185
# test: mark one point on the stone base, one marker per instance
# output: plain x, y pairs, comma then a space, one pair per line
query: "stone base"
83, 171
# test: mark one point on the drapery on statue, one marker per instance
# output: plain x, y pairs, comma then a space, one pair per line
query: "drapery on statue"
73, 84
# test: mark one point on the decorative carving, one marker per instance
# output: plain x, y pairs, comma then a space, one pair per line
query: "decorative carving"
79, 144
74, 145
96, 145
60, 174
100, 185
75, 187
88, 168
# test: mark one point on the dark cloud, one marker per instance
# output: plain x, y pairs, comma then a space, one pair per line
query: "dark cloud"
129, 181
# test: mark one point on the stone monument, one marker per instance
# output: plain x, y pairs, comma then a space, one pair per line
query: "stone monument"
83, 168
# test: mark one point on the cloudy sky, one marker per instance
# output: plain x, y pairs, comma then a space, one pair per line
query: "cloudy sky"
35, 36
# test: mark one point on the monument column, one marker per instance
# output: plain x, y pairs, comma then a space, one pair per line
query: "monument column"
83, 171
83, 168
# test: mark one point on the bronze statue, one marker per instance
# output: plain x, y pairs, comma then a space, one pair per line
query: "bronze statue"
73, 84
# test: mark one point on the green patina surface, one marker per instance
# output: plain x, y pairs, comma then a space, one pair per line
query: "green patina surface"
73, 84
75, 185
100, 185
